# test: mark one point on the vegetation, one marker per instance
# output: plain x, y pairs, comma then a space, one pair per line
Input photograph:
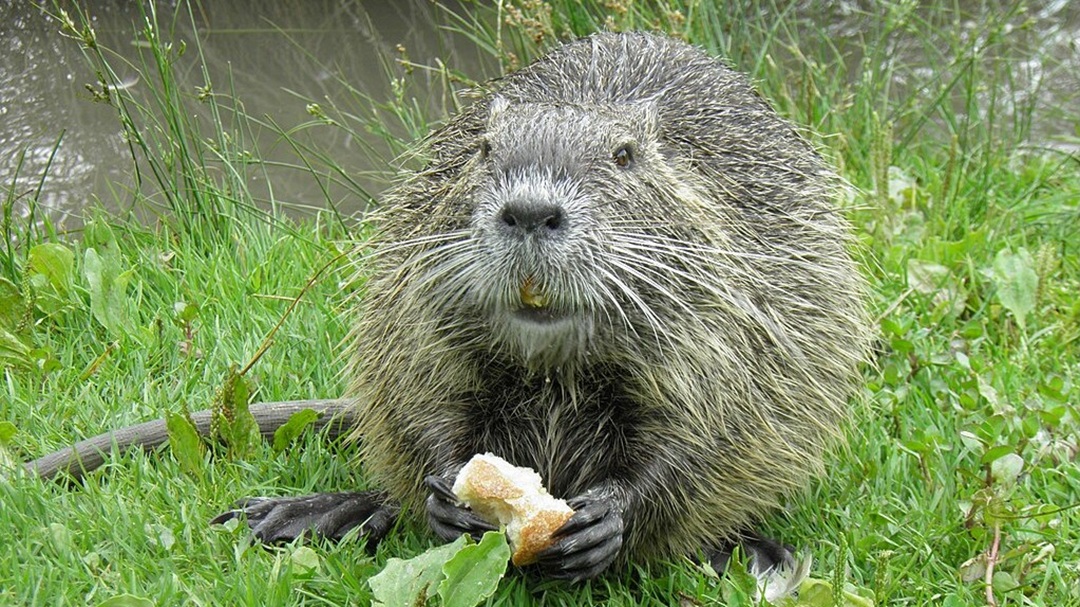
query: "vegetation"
959, 485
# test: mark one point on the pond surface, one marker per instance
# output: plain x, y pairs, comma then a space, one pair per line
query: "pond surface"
278, 55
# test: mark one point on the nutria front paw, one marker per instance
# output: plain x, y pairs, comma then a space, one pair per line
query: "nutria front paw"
587, 543
325, 515
447, 516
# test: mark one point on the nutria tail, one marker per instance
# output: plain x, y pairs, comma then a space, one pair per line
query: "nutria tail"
86, 456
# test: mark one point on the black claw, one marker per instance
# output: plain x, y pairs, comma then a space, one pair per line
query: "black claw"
763, 553
587, 544
441, 487
455, 517
326, 515
251, 508
350, 513
447, 516
379, 524
600, 555
584, 516
224, 517
281, 527
580, 575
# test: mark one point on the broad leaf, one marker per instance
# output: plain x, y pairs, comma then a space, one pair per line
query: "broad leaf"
185, 442
473, 574
1017, 283
55, 262
407, 583
108, 291
292, 429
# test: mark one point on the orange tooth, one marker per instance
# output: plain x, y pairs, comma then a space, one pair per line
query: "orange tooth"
531, 295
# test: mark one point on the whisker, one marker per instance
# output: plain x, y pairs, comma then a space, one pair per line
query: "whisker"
737, 300
384, 248
708, 253
650, 316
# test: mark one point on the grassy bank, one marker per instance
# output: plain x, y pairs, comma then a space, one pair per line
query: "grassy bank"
959, 485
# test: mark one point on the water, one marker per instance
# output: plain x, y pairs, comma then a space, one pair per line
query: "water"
279, 54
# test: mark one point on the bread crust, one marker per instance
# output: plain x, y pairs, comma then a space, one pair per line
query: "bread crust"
514, 497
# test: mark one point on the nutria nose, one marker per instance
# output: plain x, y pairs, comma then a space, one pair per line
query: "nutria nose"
528, 217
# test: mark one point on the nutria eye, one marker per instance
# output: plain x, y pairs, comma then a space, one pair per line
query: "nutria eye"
485, 148
623, 157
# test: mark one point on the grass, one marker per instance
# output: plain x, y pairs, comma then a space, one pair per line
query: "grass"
962, 454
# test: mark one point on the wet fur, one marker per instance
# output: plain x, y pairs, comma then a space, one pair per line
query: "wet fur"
715, 317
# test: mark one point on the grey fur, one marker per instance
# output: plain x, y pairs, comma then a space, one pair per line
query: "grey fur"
704, 320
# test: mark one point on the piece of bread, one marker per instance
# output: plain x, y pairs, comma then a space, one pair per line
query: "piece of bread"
504, 494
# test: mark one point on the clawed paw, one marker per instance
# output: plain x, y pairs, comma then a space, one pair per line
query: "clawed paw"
325, 515
586, 544
447, 516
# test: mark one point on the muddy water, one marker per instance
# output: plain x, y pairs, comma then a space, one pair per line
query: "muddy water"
279, 54
276, 55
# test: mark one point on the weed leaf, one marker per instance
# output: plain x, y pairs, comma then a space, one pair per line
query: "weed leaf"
937, 282
53, 261
473, 574
292, 429
108, 291
185, 442
305, 560
11, 304
11, 346
7, 431
995, 453
820, 593
7, 460
1017, 283
1006, 469
409, 582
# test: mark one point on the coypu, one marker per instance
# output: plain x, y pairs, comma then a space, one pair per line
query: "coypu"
621, 268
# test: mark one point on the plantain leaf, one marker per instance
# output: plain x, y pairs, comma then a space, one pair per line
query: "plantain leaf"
55, 262
1017, 283
292, 429
407, 583
473, 574
233, 424
108, 291
185, 442
12, 304
8, 461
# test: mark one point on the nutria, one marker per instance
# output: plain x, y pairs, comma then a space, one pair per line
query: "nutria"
621, 268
